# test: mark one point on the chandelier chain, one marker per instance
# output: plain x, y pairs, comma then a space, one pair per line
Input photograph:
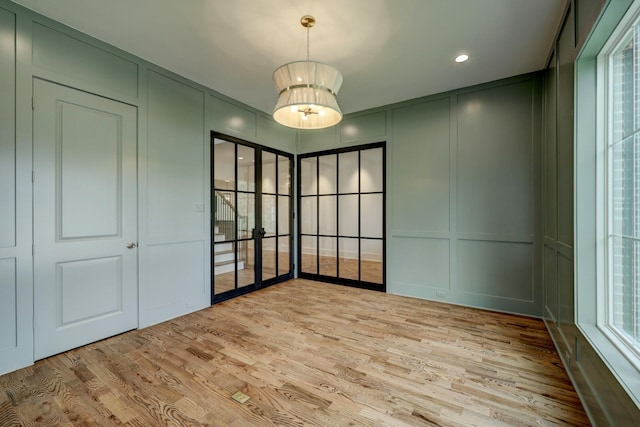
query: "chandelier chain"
307, 43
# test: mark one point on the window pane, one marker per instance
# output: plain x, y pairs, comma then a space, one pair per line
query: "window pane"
284, 176
246, 214
284, 259
224, 268
224, 163
268, 172
328, 215
268, 258
283, 215
623, 286
624, 119
625, 289
309, 215
309, 254
371, 260
246, 168
309, 176
371, 170
348, 206
269, 215
328, 256
328, 174
348, 252
225, 215
371, 215
624, 188
246, 263
348, 172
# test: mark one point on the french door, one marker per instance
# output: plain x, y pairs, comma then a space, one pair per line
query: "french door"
252, 216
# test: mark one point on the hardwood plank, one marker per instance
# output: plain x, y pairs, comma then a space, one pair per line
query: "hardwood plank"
308, 354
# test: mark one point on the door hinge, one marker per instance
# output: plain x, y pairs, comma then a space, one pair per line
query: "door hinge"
33, 102
33, 250
33, 176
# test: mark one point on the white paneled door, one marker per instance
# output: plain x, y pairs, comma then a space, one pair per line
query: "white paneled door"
85, 225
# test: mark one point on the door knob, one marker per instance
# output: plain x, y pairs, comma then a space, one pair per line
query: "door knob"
131, 245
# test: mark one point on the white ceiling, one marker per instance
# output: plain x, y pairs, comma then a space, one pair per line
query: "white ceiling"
387, 50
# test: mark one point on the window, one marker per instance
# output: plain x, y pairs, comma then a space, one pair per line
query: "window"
607, 255
620, 319
341, 221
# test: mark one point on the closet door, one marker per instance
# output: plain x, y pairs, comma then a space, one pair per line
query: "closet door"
85, 218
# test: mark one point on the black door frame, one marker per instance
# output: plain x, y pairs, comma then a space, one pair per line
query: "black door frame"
256, 236
340, 280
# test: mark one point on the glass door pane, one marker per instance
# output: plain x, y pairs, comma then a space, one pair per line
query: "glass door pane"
224, 212
269, 215
269, 167
309, 254
276, 213
348, 251
246, 210
371, 260
245, 244
269, 252
233, 204
371, 170
284, 215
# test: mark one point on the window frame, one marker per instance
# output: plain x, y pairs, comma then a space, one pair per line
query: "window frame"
590, 349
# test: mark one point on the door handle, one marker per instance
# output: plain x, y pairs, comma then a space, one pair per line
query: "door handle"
131, 245
262, 233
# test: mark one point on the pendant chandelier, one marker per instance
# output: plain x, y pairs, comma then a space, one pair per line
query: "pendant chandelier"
307, 91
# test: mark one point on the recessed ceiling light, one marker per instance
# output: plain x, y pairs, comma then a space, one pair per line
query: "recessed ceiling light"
462, 58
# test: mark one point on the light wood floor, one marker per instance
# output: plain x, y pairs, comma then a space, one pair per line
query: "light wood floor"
307, 353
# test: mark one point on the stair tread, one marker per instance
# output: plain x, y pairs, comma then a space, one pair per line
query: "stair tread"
230, 251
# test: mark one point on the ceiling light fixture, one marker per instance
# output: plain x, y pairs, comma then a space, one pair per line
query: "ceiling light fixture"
462, 58
307, 91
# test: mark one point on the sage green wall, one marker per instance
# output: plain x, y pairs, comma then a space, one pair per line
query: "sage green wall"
16, 294
175, 117
463, 192
173, 260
